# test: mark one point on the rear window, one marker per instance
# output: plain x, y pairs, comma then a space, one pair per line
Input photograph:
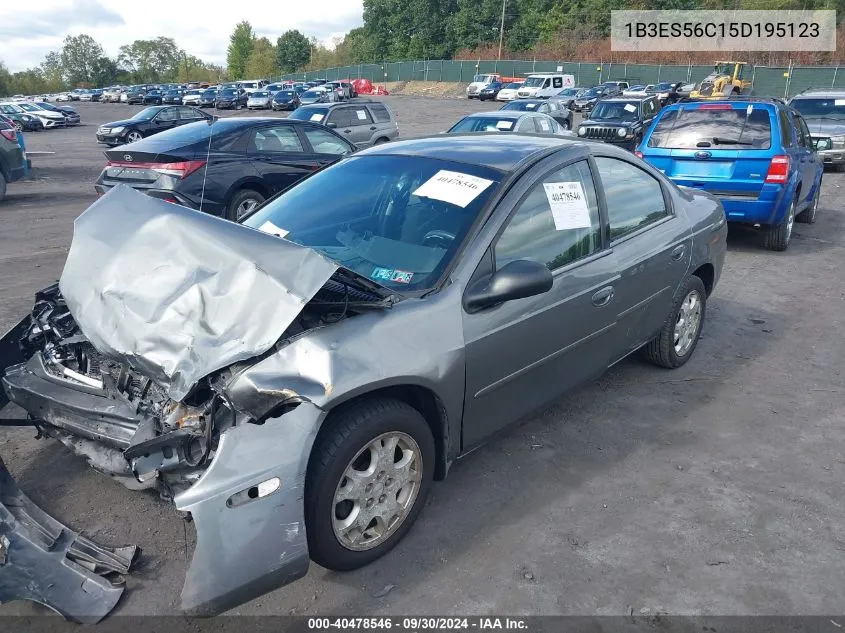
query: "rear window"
720, 129
380, 113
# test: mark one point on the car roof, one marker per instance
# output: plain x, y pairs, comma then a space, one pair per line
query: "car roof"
821, 93
627, 99
499, 114
502, 152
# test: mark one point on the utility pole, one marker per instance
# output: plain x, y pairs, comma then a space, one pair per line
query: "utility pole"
502, 28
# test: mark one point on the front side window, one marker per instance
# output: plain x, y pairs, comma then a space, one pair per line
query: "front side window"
556, 223
323, 142
634, 197
168, 114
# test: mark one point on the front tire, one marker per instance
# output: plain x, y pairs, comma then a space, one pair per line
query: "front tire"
367, 482
777, 238
133, 136
679, 335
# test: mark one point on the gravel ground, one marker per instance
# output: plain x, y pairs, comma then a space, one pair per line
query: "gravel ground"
713, 489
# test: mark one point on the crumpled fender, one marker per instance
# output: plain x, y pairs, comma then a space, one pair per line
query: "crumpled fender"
250, 531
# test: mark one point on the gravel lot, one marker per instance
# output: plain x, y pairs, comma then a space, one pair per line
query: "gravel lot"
713, 489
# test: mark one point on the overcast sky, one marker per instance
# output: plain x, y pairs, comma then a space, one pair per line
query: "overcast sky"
32, 30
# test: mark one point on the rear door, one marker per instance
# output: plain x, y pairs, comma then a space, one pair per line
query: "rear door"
809, 164
279, 156
722, 148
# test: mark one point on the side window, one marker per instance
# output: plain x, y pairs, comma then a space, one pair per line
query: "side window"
281, 138
168, 114
526, 125
342, 117
557, 82
379, 112
799, 131
544, 125
546, 83
628, 212
785, 129
361, 116
806, 132
557, 222
649, 109
189, 114
324, 142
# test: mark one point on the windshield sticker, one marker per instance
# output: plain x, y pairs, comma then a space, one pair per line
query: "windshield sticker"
630, 107
569, 205
453, 187
362, 114
504, 125
390, 274
530, 105
317, 117
839, 102
272, 229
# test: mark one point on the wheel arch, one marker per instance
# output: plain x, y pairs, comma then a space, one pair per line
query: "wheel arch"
707, 274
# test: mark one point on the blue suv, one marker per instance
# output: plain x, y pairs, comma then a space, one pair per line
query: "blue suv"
756, 155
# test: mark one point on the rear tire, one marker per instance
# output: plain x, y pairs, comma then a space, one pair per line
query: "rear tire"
2, 186
675, 345
380, 141
243, 202
777, 238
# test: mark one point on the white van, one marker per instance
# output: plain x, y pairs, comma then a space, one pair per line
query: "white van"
251, 85
543, 86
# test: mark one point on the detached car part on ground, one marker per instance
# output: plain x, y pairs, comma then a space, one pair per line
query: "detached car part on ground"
297, 397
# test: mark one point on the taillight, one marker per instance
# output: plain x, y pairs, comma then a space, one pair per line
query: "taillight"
778, 170
638, 154
181, 169
10, 135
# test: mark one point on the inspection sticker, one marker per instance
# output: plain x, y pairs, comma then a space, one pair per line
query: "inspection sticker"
390, 274
272, 229
317, 117
569, 205
453, 187
630, 107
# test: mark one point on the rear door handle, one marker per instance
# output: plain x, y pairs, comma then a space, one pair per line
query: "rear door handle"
678, 252
347, 131
373, 128
603, 297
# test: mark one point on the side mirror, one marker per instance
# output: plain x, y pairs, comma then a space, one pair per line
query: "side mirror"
331, 125
515, 280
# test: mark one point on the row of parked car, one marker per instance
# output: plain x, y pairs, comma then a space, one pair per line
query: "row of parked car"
33, 116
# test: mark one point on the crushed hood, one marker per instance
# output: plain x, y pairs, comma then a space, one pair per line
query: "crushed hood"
178, 294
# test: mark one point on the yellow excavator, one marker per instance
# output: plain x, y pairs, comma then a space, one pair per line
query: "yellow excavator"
725, 80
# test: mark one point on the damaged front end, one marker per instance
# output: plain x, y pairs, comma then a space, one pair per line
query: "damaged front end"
134, 378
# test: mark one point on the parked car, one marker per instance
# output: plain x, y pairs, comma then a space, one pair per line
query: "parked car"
316, 95
509, 122
71, 116
285, 100
274, 88
234, 98
590, 97
559, 113
192, 97
666, 92
147, 122
22, 120
824, 112
426, 295
259, 100
208, 98
76, 94
621, 121
63, 97
508, 91
49, 119
349, 88
340, 93
252, 85
135, 96
154, 96
12, 156
616, 87
173, 97
756, 155
479, 82
363, 123
567, 96
251, 160
490, 91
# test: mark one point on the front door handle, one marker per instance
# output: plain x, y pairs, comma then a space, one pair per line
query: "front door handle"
347, 131
373, 128
678, 252
603, 297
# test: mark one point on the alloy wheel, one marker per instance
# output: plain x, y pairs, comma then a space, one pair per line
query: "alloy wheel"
687, 323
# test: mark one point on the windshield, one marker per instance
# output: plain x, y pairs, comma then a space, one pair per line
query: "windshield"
664, 86
282, 94
522, 106
616, 110
482, 79
172, 93
260, 94
483, 124
29, 107
313, 94
146, 114
816, 108
228, 92
593, 92
209, 93
249, 84
513, 86
720, 129
399, 222
569, 92
533, 82
192, 92
8, 108
46, 106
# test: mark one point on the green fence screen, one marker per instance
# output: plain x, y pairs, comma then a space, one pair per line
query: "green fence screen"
769, 81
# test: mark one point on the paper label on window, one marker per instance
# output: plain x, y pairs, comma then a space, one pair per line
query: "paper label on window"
453, 187
504, 125
839, 102
630, 107
272, 229
317, 117
530, 106
569, 205
544, 124
362, 115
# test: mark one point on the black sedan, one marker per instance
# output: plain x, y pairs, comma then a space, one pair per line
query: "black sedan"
234, 98
207, 98
173, 97
147, 122
490, 91
154, 97
251, 160
285, 100
554, 109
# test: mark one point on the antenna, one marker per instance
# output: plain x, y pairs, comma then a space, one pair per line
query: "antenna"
207, 156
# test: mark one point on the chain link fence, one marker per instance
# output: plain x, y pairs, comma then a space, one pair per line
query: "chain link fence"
768, 81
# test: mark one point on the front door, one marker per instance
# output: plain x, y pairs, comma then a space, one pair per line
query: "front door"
524, 353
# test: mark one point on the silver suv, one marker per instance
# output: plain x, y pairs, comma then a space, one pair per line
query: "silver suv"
824, 112
364, 123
